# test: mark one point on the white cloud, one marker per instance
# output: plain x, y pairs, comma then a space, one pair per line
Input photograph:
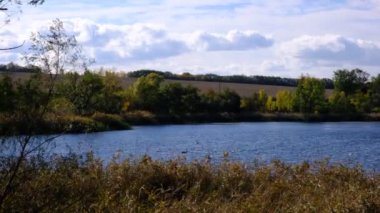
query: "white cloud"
332, 50
233, 40
149, 42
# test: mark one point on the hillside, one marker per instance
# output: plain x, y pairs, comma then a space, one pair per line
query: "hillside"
243, 89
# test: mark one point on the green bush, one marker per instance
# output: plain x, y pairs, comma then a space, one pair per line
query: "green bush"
72, 124
111, 121
140, 117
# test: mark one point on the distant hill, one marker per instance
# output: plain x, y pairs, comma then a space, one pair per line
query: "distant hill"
242, 79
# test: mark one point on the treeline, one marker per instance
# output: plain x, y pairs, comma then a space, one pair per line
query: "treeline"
354, 93
95, 101
12, 67
256, 79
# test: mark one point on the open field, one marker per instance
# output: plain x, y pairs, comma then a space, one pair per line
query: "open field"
243, 90
205, 86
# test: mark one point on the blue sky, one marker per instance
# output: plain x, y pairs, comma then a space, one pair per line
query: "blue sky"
259, 37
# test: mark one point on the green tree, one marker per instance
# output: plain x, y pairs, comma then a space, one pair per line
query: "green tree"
350, 82
176, 99
7, 94
270, 105
89, 91
112, 96
229, 101
256, 102
144, 94
285, 101
310, 95
340, 103
375, 93
210, 102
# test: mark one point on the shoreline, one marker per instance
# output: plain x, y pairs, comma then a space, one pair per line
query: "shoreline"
105, 122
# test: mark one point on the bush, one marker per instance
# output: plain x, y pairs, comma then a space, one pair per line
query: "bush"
111, 121
140, 117
72, 124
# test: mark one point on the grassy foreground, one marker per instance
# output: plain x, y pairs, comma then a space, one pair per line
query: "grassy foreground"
76, 184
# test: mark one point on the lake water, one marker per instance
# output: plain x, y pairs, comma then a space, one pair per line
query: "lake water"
345, 142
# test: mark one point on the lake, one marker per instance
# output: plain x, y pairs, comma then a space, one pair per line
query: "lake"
344, 142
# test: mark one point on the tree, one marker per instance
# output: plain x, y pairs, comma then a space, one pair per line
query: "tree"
270, 105
56, 52
229, 101
340, 103
7, 94
310, 95
350, 82
112, 96
52, 51
256, 102
285, 101
144, 93
177, 99
375, 93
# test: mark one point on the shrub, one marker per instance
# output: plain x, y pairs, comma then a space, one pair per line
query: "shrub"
111, 121
140, 117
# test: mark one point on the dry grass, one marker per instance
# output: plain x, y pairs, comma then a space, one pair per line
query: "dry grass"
74, 184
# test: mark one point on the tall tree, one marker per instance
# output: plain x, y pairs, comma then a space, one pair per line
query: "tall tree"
52, 51
56, 51
375, 93
144, 94
350, 82
310, 95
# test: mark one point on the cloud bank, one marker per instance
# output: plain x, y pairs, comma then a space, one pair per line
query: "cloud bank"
332, 50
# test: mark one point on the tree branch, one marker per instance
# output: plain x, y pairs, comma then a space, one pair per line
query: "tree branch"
12, 48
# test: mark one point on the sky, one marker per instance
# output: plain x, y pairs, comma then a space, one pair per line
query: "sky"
286, 38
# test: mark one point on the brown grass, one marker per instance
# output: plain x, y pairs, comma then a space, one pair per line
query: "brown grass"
74, 184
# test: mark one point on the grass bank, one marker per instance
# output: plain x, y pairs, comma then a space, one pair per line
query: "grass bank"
76, 184
146, 118
51, 124
98, 122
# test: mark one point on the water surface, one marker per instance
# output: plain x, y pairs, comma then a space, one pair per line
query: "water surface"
345, 142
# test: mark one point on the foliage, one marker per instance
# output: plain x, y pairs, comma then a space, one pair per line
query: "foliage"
257, 102
144, 93
310, 95
271, 104
112, 122
176, 99
340, 103
56, 51
375, 93
7, 94
350, 82
75, 184
285, 101
266, 80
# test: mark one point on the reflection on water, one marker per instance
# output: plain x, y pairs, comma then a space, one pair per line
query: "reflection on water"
346, 142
